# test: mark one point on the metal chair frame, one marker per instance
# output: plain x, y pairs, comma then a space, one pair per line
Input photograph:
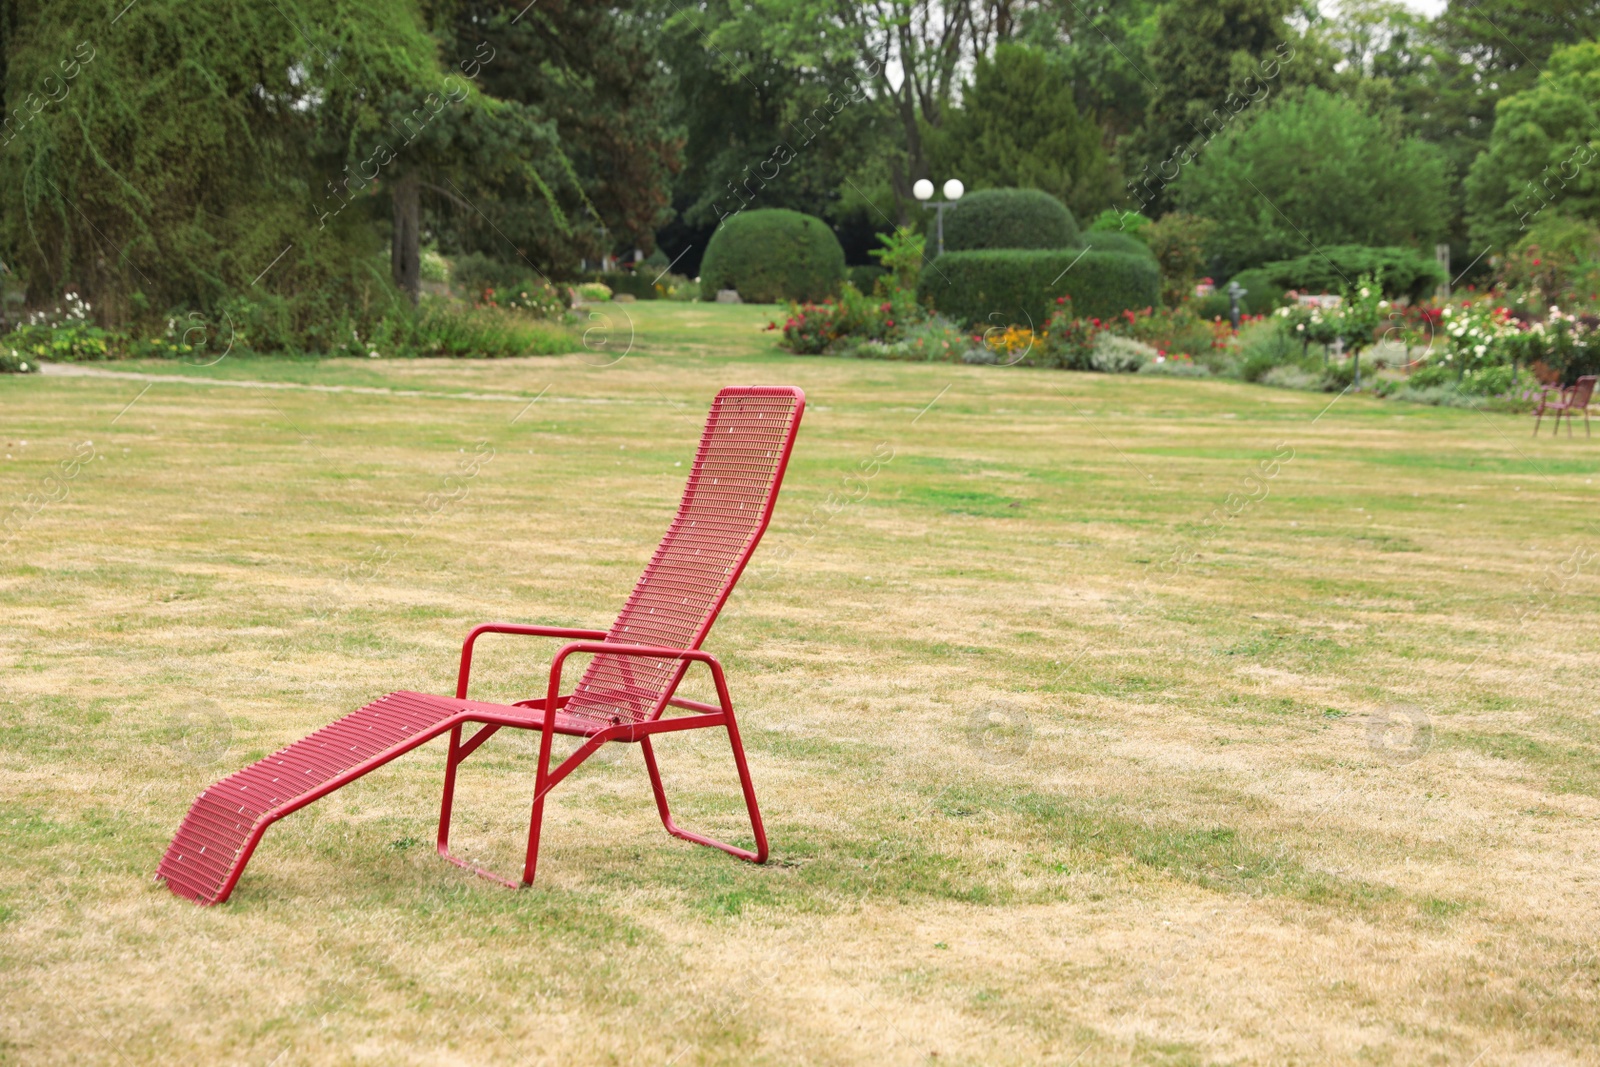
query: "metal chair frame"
682, 590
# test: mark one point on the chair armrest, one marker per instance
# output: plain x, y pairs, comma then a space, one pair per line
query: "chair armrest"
511, 628
692, 655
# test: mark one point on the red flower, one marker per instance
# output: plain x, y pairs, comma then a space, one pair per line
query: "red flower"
1061, 300
1536, 263
891, 322
883, 307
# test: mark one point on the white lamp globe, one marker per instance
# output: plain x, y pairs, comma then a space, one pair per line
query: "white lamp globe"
953, 189
923, 189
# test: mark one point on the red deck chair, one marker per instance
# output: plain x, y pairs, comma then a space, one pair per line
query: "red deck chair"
633, 678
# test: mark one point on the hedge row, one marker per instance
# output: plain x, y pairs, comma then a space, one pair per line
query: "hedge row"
1020, 287
1401, 271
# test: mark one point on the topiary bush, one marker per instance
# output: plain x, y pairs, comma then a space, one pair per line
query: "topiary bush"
1112, 241
772, 255
1021, 287
1009, 218
1400, 271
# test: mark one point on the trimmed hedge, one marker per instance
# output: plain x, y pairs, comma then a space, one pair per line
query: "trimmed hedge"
771, 255
1009, 218
1401, 271
1112, 241
1016, 286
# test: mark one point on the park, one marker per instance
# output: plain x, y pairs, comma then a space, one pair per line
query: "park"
1158, 619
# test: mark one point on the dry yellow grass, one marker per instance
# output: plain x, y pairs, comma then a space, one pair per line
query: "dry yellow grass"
1057, 768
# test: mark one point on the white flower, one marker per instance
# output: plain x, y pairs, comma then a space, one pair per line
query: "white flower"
1365, 293
1301, 327
373, 354
1383, 305
24, 366
1481, 349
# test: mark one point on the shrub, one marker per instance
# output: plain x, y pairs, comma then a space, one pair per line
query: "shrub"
493, 283
1021, 287
1263, 347
1400, 271
934, 340
1176, 367
676, 287
634, 283
1009, 218
903, 252
811, 328
1120, 355
771, 255
440, 328
1069, 340
1178, 242
864, 278
1170, 330
1112, 241
1291, 376
1129, 222
594, 291
15, 361
1212, 305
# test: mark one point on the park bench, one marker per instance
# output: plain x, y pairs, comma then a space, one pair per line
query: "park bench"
633, 678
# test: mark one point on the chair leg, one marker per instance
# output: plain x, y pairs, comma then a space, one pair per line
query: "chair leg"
760, 854
456, 756
1538, 416
451, 761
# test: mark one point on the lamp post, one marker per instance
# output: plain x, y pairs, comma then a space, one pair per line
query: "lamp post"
923, 190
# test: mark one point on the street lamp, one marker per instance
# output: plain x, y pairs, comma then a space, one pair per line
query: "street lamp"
923, 190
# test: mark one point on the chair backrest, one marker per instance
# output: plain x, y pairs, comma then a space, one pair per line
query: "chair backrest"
732, 489
1582, 391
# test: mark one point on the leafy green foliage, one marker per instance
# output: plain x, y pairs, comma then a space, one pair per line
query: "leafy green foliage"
1263, 293
1009, 218
1314, 169
1399, 271
1541, 154
997, 287
1177, 240
1481, 52
1019, 126
1113, 241
773, 255
903, 252
1207, 58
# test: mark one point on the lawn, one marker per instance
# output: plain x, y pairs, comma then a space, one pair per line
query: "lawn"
1095, 719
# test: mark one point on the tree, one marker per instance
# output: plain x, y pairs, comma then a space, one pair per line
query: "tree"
1018, 126
592, 72
1210, 59
1101, 47
1544, 151
1314, 169
1486, 50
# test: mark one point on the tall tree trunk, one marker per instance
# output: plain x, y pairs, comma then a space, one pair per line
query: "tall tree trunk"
405, 256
